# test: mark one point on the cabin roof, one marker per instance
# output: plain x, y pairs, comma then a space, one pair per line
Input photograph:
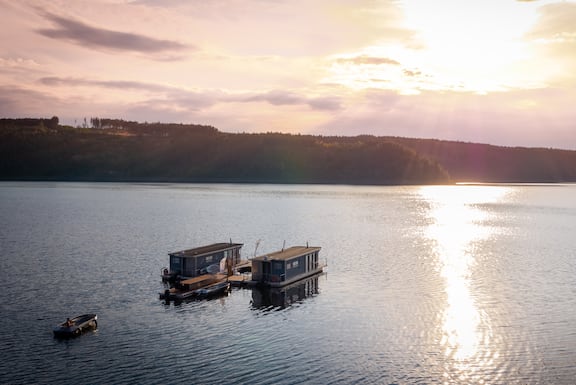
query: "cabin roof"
289, 253
203, 250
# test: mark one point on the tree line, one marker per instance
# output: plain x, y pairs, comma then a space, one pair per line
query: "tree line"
487, 163
119, 150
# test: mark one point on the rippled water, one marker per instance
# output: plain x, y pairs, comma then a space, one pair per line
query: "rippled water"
424, 285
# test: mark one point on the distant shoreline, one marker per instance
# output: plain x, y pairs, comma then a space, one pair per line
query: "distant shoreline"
132, 152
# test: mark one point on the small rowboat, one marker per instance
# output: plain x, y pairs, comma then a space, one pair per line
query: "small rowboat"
75, 326
213, 290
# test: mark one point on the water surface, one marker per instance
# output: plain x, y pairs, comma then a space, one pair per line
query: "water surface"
424, 285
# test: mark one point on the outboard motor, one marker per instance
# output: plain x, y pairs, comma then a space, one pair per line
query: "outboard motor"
167, 297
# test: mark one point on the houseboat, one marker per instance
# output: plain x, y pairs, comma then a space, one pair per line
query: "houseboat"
205, 259
286, 266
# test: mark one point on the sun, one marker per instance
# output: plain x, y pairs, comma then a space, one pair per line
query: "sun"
470, 46
476, 44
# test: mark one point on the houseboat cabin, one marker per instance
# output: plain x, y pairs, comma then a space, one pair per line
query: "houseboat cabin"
205, 259
285, 266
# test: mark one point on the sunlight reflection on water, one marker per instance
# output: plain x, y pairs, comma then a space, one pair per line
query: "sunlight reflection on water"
456, 224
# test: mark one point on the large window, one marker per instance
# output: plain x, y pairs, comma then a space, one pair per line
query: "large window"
175, 263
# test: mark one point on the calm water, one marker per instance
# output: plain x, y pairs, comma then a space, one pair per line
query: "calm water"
424, 285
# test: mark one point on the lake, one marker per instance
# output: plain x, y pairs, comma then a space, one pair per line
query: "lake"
463, 284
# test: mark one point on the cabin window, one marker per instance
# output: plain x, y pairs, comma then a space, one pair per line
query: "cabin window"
209, 258
292, 265
175, 264
277, 267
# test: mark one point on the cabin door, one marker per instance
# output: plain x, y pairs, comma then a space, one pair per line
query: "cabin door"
266, 271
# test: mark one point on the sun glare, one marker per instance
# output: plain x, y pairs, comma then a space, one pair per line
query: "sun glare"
460, 46
456, 227
476, 44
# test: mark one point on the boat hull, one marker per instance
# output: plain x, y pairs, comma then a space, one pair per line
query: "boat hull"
79, 325
280, 284
213, 290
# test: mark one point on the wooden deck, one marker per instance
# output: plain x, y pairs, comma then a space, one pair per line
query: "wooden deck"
239, 280
243, 264
202, 279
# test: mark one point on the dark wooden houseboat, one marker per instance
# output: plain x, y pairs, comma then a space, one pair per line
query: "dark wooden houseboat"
286, 266
201, 260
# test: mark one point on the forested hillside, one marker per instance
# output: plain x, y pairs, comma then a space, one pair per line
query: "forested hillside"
117, 150
487, 163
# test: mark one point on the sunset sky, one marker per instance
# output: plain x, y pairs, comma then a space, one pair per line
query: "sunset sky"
492, 71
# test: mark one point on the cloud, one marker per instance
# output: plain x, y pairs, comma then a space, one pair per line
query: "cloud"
86, 35
553, 38
17, 62
18, 70
411, 73
185, 98
556, 22
325, 103
365, 59
280, 97
54, 81
164, 95
18, 102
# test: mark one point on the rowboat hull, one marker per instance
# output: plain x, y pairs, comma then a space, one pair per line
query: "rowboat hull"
78, 325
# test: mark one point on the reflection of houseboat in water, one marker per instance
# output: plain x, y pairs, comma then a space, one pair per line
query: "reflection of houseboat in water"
286, 266
287, 295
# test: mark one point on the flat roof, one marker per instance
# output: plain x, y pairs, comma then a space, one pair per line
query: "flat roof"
197, 251
291, 252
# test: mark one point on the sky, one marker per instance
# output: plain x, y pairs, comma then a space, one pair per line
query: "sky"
501, 72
